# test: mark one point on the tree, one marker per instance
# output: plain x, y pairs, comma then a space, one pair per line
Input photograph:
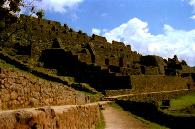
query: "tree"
10, 8
40, 13
7, 10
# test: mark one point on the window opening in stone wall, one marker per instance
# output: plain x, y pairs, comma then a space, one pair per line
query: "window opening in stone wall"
121, 62
107, 61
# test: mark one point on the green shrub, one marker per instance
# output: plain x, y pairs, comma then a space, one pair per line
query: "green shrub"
2, 25
40, 13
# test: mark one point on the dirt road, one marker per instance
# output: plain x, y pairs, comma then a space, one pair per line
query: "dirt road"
119, 119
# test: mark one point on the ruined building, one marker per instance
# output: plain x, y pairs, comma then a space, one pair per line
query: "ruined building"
105, 66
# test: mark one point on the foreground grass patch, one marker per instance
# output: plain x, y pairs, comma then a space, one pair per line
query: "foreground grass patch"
101, 123
182, 102
182, 106
3, 64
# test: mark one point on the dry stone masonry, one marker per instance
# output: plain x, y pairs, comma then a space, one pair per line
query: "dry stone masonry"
59, 117
93, 60
111, 68
20, 90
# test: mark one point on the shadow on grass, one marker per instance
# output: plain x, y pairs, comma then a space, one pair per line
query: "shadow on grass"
149, 111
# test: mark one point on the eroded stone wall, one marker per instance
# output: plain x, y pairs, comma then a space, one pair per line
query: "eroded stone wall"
117, 92
154, 96
39, 34
155, 83
21, 90
59, 117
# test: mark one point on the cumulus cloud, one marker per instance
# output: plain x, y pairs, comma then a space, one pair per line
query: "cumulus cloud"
96, 31
193, 17
172, 41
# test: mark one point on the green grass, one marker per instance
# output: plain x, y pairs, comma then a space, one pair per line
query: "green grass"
182, 102
6, 65
114, 105
182, 106
101, 123
3, 64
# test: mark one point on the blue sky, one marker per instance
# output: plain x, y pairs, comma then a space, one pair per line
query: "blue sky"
107, 14
161, 27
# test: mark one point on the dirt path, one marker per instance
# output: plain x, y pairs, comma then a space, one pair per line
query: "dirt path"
119, 119
146, 93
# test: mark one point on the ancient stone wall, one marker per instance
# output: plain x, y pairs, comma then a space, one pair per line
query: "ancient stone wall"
115, 54
154, 96
150, 70
98, 38
187, 69
59, 117
152, 60
39, 34
20, 90
144, 85
117, 92
155, 83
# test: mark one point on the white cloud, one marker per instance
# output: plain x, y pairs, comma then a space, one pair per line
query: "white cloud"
96, 31
192, 3
172, 41
193, 17
58, 5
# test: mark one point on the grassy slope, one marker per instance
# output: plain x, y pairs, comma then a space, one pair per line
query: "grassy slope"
3, 64
182, 106
183, 102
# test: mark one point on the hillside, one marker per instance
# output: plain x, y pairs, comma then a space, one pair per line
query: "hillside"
45, 64
46, 45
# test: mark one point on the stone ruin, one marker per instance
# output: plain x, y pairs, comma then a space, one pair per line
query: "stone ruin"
104, 65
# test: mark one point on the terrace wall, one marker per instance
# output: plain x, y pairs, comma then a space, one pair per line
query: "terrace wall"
19, 90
